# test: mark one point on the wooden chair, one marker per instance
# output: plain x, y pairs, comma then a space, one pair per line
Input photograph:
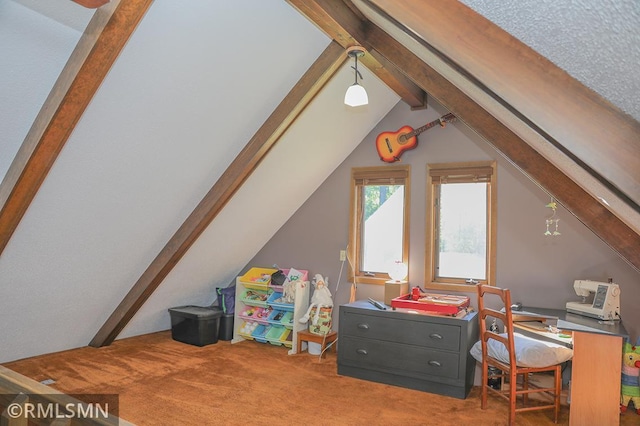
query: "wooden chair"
509, 371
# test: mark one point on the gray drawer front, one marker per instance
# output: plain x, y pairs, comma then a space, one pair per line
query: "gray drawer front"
401, 359
420, 333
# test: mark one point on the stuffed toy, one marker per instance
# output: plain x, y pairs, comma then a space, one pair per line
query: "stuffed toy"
630, 390
321, 299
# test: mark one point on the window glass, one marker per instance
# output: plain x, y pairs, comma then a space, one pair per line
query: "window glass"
383, 226
460, 225
379, 221
462, 231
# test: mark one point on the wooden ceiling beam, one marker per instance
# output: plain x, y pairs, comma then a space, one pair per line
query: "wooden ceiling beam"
340, 22
585, 127
607, 226
101, 43
214, 201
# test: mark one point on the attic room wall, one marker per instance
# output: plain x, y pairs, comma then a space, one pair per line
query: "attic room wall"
165, 123
539, 270
31, 76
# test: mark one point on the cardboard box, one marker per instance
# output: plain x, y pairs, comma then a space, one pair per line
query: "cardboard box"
393, 289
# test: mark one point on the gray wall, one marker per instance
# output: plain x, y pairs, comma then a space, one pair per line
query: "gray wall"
538, 269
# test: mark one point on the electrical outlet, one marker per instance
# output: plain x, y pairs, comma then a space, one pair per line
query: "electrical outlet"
343, 255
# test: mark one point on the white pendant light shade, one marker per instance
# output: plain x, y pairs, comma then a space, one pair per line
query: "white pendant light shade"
356, 96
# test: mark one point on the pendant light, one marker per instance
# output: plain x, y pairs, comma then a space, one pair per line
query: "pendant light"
356, 95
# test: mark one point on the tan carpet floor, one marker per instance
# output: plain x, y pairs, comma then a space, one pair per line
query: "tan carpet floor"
163, 382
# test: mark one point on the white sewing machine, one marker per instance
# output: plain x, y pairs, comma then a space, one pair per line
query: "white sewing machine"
606, 300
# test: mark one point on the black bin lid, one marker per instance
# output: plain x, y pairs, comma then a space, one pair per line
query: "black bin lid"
197, 312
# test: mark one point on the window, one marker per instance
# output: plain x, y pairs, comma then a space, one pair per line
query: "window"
461, 230
379, 224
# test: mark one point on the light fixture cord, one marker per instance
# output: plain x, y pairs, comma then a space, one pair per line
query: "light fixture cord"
356, 69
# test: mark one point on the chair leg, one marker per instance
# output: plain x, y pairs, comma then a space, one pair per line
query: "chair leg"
557, 375
512, 397
485, 377
525, 386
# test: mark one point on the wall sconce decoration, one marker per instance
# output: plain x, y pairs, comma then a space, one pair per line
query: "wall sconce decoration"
356, 95
551, 220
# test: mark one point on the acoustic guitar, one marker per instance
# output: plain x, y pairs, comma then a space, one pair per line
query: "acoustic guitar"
391, 145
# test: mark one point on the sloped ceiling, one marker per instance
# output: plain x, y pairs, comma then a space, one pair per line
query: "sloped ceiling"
179, 104
543, 120
188, 91
596, 42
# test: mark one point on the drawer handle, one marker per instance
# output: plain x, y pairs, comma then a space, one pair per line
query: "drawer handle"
435, 336
435, 364
362, 351
363, 326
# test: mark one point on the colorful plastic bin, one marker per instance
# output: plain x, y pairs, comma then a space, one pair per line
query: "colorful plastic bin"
257, 278
255, 313
274, 335
280, 288
247, 328
274, 300
260, 333
287, 338
252, 297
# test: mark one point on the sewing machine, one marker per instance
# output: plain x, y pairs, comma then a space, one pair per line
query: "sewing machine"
606, 300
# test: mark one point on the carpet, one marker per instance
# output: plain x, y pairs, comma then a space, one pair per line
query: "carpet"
164, 382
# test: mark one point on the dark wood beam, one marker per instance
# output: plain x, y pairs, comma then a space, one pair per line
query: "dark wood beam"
238, 171
591, 131
340, 22
91, 4
98, 48
613, 231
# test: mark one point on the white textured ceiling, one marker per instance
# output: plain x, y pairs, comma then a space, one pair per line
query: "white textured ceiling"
596, 41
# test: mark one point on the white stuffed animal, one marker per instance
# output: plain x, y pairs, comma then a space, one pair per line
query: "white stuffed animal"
321, 299
289, 291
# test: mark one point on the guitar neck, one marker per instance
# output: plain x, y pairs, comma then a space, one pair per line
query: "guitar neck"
427, 126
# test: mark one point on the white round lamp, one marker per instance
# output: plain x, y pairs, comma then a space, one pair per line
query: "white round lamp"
398, 271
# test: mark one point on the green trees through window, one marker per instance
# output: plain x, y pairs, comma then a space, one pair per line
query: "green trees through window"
375, 196
460, 225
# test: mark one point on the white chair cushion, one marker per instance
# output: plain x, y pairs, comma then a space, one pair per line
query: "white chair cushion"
529, 352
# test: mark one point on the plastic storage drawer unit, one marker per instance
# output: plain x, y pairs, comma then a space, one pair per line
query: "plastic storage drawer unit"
195, 325
226, 327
